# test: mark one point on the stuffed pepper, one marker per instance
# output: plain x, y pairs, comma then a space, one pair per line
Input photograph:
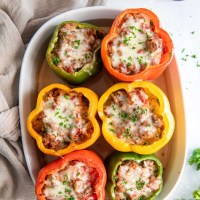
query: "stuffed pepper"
74, 51
136, 48
79, 175
136, 117
134, 177
64, 119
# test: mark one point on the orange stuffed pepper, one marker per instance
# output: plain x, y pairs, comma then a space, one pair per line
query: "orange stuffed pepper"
136, 48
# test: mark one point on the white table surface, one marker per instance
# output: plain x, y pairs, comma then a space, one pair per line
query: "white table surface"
182, 20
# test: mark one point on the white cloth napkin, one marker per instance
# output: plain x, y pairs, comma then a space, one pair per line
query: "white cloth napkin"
19, 19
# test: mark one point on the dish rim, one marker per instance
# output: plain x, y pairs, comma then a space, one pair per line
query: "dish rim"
23, 65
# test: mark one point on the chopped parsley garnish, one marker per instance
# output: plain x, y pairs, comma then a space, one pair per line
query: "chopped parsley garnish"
70, 198
71, 115
66, 96
133, 34
129, 64
147, 35
55, 60
64, 182
123, 182
130, 58
129, 189
140, 60
112, 130
126, 39
61, 124
113, 107
139, 184
123, 115
127, 133
67, 190
60, 192
143, 197
77, 43
78, 173
134, 118
192, 32
87, 56
151, 23
57, 113
144, 111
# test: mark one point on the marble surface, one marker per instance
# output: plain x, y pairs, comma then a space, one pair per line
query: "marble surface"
182, 20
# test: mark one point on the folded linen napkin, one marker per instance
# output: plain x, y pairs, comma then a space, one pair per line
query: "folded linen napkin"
19, 19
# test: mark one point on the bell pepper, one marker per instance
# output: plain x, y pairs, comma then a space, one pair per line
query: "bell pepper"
118, 158
87, 69
150, 71
162, 108
88, 157
92, 109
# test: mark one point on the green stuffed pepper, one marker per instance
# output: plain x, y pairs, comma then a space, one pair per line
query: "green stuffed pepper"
132, 176
74, 51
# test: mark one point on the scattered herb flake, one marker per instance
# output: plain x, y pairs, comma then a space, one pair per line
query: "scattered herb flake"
192, 32
77, 43
193, 56
182, 50
184, 59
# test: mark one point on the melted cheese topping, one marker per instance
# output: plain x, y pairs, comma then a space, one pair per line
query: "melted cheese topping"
75, 47
76, 181
136, 45
136, 181
64, 119
132, 118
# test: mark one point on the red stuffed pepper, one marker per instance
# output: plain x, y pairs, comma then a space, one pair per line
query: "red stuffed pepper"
79, 175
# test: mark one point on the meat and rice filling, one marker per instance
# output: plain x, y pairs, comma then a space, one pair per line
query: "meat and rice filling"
64, 119
75, 182
132, 116
136, 180
135, 46
75, 47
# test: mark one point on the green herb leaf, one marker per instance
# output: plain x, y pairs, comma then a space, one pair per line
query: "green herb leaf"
195, 158
77, 43
196, 194
67, 190
139, 184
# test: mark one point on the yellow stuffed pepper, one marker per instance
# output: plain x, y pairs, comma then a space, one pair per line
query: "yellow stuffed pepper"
136, 117
64, 119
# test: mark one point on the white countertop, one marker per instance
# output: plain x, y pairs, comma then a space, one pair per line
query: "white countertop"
182, 20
